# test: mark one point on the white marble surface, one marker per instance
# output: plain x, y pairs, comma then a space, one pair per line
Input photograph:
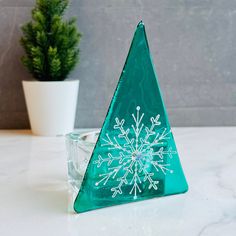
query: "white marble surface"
34, 199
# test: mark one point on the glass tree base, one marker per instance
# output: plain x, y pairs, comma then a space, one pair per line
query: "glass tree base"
79, 146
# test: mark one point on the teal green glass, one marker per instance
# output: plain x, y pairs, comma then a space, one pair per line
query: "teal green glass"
135, 157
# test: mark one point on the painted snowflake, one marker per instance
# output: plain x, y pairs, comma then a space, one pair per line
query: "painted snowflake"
141, 154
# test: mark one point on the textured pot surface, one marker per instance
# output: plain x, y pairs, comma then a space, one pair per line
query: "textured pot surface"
51, 106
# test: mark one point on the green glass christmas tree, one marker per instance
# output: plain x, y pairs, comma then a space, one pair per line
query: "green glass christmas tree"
135, 157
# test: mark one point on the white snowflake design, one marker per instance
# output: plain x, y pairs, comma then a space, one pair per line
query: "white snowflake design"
141, 155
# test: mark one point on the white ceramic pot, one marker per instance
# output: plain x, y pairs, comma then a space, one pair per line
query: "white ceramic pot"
51, 106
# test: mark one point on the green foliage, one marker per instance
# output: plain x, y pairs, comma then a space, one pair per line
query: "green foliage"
50, 42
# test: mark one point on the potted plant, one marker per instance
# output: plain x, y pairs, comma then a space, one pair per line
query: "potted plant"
51, 52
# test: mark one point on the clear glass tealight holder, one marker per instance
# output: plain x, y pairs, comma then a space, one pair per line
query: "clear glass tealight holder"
79, 146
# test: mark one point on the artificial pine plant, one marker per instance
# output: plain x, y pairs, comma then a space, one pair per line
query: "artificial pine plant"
50, 42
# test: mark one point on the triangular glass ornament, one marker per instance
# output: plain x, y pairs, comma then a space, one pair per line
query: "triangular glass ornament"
135, 156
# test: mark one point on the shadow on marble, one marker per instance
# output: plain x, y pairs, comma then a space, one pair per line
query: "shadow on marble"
49, 198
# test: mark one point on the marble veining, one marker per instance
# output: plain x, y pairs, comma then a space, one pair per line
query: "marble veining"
34, 196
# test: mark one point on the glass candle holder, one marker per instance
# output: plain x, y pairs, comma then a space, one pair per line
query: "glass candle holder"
79, 146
